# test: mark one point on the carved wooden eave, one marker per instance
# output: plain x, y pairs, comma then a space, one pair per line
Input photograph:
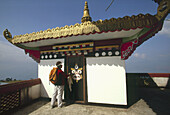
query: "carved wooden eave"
132, 30
126, 23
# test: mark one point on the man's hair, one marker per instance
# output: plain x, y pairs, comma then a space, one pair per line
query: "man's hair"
58, 63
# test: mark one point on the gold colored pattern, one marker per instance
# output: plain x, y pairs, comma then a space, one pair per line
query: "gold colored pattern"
7, 35
89, 27
163, 9
88, 43
113, 46
78, 49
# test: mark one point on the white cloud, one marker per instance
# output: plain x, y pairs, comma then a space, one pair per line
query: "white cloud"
166, 29
14, 62
10, 52
141, 56
164, 55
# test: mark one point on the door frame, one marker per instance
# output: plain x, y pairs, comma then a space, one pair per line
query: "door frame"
84, 78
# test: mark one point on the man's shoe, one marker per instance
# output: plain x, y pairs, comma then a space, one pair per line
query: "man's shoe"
52, 107
59, 106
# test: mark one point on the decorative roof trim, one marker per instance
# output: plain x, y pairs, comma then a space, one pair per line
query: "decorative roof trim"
8, 36
70, 45
163, 9
86, 28
143, 31
112, 46
129, 47
79, 49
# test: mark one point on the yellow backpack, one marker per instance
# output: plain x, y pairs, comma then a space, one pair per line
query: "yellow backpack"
53, 76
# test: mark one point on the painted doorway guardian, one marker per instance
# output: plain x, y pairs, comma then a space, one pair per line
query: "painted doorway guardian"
75, 66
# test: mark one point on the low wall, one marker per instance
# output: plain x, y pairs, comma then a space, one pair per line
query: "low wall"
161, 80
135, 81
17, 94
29, 94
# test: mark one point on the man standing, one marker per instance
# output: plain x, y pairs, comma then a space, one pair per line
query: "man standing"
59, 85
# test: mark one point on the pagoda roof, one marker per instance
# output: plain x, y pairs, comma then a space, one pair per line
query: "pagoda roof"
127, 28
87, 27
101, 26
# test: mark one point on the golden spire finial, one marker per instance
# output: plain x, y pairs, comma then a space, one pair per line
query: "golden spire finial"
86, 15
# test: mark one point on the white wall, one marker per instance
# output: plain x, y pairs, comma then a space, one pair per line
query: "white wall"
30, 93
44, 68
34, 92
106, 80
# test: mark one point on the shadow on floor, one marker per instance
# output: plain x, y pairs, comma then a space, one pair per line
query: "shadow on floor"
39, 103
143, 87
158, 100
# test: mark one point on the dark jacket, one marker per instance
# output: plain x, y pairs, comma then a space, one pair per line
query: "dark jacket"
61, 76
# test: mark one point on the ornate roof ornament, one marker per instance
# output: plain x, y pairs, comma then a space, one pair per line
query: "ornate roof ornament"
163, 9
7, 35
86, 16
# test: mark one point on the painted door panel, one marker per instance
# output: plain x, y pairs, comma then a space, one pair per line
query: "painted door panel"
74, 66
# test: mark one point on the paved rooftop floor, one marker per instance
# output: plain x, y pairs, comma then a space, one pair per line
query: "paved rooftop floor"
43, 108
151, 102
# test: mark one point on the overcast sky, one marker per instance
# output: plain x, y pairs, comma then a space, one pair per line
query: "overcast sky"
27, 16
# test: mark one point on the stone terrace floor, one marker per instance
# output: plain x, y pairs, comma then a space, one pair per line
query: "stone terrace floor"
152, 102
